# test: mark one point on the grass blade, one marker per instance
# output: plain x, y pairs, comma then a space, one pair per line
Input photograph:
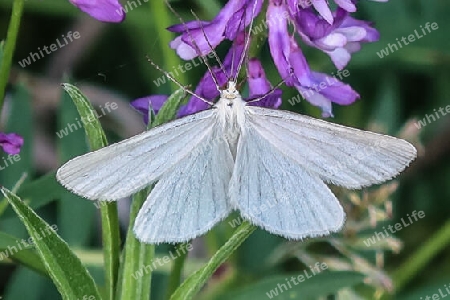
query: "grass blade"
194, 283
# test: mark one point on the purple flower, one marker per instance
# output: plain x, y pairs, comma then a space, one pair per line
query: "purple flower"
226, 24
339, 40
319, 89
279, 38
154, 102
11, 143
259, 85
102, 10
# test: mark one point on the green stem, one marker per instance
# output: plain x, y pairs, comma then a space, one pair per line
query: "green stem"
160, 13
111, 246
176, 272
421, 257
136, 257
11, 39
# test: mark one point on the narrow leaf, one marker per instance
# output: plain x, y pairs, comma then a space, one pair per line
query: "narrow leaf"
94, 132
71, 207
109, 216
194, 283
71, 278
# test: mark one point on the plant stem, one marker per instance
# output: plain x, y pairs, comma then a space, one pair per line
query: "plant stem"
111, 246
11, 39
136, 257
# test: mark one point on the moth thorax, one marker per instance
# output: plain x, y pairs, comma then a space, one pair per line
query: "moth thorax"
230, 92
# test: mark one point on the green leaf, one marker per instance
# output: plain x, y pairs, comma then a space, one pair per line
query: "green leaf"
312, 286
88, 116
109, 216
15, 249
67, 272
71, 207
194, 283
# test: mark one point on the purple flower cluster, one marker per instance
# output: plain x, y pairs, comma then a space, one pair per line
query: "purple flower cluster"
335, 33
256, 77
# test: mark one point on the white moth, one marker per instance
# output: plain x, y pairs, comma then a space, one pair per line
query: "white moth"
234, 156
238, 157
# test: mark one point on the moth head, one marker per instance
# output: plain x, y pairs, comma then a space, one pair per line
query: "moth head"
230, 92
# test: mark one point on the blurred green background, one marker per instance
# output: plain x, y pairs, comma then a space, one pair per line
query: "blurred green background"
108, 64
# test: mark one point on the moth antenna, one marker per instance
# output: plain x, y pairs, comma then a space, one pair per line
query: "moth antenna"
234, 52
247, 38
269, 92
219, 62
247, 41
176, 81
197, 49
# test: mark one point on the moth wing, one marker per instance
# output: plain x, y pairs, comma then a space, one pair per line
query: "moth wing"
191, 198
124, 168
339, 155
275, 192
